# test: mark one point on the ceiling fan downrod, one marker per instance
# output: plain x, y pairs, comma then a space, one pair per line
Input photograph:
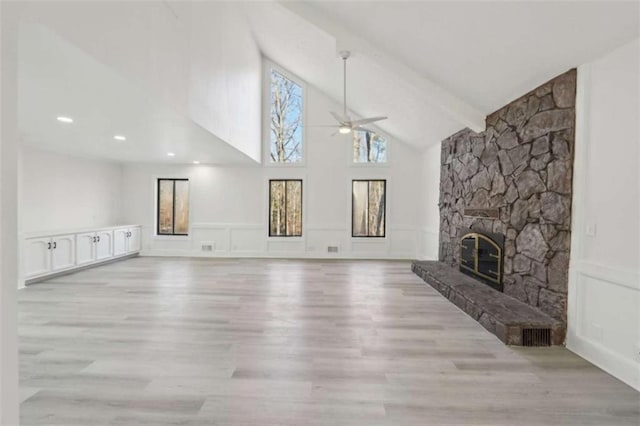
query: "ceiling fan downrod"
344, 54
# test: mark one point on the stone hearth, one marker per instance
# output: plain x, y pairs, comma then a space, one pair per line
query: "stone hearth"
522, 165
507, 318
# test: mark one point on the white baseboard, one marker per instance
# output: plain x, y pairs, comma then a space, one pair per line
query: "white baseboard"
276, 255
622, 368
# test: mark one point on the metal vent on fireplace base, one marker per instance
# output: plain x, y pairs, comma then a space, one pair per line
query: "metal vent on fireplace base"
536, 337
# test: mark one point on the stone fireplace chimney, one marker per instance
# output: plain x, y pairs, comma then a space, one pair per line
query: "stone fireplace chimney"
520, 168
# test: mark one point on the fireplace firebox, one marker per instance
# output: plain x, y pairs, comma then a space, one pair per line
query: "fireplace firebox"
481, 257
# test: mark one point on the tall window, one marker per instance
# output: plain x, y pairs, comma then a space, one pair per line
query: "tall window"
368, 208
285, 208
286, 119
369, 148
173, 207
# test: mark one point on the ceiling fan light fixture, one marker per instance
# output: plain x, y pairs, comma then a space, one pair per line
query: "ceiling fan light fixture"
345, 124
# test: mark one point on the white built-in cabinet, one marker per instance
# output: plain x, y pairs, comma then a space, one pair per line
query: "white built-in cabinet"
126, 240
94, 246
104, 245
47, 254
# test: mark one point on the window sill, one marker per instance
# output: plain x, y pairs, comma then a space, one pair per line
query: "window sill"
284, 238
285, 165
172, 237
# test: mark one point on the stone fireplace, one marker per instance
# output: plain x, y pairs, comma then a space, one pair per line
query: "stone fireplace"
518, 174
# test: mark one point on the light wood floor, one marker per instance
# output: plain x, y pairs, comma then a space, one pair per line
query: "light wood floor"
273, 342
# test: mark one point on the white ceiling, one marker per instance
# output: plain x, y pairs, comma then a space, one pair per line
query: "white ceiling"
432, 67
58, 79
489, 52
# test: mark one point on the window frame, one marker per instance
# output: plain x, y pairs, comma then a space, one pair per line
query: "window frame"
269, 65
173, 234
285, 205
384, 234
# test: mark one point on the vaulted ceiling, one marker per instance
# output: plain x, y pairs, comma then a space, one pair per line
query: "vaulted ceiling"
188, 73
58, 79
437, 66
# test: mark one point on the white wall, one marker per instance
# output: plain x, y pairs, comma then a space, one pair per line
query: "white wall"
225, 75
8, 214
429, 210
62, 192
229, 204
604, 281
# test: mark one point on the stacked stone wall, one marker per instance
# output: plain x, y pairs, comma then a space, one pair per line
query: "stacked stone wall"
522, 164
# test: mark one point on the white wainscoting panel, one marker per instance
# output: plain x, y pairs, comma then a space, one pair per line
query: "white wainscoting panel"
251, 240
318, 240
218, 236
428, 244
403, 242
605, 298
289, 246
370, 247
247, 239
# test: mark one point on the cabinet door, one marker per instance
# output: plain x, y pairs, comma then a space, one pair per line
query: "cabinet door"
37, 256
85, 248
63, 252
104, 245
120, 241
134, 240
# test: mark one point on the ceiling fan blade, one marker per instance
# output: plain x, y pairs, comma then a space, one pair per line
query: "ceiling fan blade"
357, 123
346, 124
321, 125
340, 119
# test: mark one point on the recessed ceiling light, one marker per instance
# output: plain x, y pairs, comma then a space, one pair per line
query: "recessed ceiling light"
196, 162
171, 154
65, 119
120, 138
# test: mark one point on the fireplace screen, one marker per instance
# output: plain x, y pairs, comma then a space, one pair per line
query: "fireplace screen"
481, 257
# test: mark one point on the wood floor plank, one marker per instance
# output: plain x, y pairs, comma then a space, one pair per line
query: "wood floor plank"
177, 341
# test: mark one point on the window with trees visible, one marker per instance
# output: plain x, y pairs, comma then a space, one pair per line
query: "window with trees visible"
173, 207
369, 148
285, 208
286, 119
368, 208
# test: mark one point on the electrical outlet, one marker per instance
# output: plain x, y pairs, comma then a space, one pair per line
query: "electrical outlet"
332, 249
208, 246
590, 230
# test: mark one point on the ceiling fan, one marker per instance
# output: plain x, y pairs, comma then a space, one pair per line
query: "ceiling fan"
345, 124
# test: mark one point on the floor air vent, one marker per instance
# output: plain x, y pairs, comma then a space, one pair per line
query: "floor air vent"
536, 337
